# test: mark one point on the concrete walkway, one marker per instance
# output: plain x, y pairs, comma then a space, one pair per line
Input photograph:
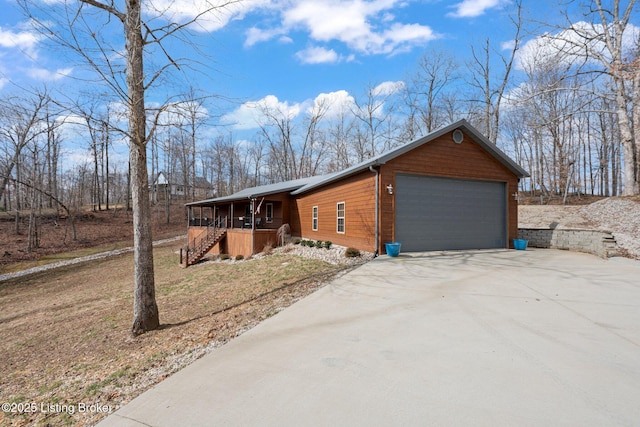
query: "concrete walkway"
486, 338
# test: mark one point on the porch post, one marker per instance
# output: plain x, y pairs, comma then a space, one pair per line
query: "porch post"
231, 215
253, 225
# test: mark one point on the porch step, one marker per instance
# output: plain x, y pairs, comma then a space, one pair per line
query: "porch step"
194, 257
610, 246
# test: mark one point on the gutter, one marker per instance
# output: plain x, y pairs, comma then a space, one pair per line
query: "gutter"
377, 172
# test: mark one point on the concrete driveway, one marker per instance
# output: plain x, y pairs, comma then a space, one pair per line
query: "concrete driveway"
489, 338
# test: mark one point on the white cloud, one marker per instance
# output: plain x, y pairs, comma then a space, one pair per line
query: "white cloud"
508, 45
473, 8
251, 114
367, 27
388, 88
317, 55
23, 40
256, 35
335, 104
570, 46
212, 15
47, 75
3, 82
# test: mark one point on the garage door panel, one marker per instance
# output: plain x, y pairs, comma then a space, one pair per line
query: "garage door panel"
435, 213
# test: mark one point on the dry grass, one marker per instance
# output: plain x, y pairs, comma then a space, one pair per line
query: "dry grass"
66, 333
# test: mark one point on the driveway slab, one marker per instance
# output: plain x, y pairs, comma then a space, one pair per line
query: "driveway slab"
536, 337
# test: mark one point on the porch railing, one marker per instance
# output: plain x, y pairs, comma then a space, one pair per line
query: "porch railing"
199, 245
260, 222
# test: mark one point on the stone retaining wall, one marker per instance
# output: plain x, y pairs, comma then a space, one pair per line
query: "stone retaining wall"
600, 243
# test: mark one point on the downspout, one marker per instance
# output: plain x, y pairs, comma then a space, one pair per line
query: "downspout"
377, 172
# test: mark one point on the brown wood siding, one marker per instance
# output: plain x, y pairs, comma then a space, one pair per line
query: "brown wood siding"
442, 157
357, 192
238, 241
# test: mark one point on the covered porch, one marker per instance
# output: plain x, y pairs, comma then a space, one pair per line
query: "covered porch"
234, 227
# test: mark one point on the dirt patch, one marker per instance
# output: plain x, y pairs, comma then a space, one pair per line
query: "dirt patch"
95, 232
66, 337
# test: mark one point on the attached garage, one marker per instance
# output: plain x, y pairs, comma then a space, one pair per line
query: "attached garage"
435, 213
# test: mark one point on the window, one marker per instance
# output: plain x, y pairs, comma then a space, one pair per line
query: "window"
269, 212
340, 215
314, 219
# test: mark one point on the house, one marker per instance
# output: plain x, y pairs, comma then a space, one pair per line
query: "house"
452, 189
165, 187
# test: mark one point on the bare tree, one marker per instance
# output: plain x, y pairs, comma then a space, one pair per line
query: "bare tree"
491, 85
373, 113
127, 78
313, 146
340, 133
424, 96
277, 129
22, 121
603, 38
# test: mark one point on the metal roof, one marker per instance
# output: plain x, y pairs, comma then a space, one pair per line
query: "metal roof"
263, 190
303, 185
383, 158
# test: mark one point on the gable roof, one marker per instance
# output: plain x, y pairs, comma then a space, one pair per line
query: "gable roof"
163, 178
383, 158
299, 186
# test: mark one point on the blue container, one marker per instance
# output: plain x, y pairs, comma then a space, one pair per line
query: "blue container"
520, 244
393, 248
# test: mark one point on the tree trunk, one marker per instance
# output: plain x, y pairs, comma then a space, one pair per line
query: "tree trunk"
145, 309
636, 126
626, 139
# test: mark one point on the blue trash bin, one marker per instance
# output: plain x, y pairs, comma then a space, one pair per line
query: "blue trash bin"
520, 244
392, 248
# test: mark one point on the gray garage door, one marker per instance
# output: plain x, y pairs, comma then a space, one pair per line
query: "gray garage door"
441, 213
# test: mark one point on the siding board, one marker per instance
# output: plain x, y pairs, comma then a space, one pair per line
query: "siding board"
357, 192
442, 157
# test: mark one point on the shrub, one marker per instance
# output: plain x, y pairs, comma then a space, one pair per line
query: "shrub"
319, 244
239, 257
327, 244
224, 257
352, 253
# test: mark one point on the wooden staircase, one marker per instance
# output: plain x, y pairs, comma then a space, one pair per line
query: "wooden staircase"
202, 244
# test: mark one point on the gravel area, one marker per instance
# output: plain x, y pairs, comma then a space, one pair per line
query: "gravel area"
79, 260
620, 216
335, 255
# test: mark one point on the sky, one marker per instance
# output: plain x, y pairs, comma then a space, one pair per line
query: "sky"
290, 53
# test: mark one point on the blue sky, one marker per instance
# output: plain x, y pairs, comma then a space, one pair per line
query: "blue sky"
291, 52
294, 50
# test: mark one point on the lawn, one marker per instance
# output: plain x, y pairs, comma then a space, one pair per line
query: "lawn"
66, 333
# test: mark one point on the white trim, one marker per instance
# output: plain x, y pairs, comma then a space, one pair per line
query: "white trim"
343, 217
314, 218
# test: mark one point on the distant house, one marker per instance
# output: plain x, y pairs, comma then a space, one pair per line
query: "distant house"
452, 189
165, 187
